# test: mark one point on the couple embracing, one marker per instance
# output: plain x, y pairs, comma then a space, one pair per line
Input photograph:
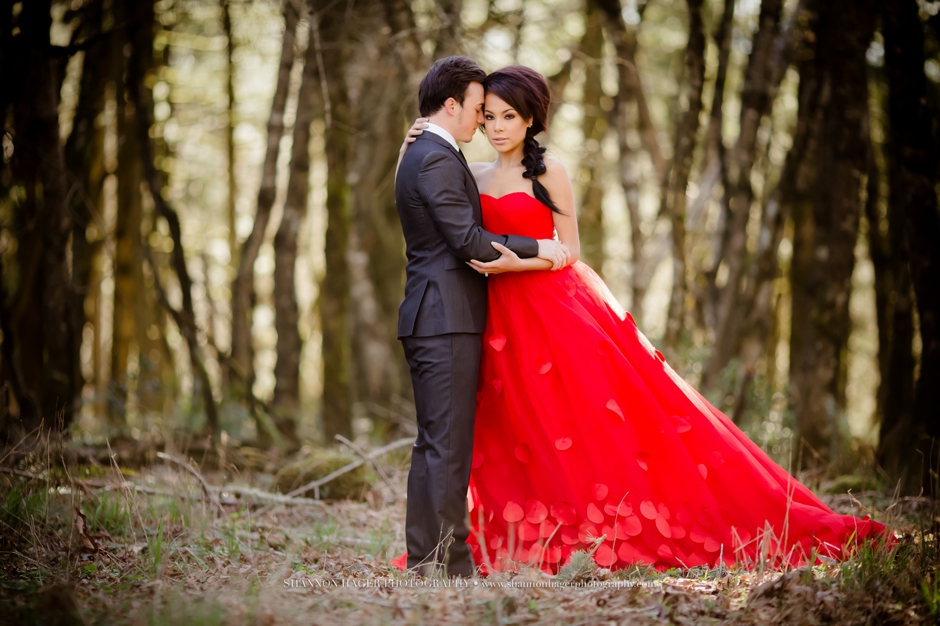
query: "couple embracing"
547, 422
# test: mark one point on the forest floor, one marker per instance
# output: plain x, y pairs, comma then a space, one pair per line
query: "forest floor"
85, 542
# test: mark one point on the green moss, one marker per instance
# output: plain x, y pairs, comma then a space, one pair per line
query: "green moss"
352, 485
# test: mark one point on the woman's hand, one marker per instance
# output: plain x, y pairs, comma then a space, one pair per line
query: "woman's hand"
508, 262
416, 129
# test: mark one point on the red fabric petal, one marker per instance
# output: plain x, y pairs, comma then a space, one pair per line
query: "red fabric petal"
564, 513
546, 529
477, 460
563, 443
587, 532
647, 510
615, 408
618, 510
604, 556
663, 527
631, 526
570, 535
711, 545
498, 342
528, 532
545, 367
594, 514
682, 424
642, 459
400, 562
535, 511
498, 386
600, 491
512, 512
663, 510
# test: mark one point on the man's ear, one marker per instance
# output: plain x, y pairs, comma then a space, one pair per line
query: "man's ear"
450, 105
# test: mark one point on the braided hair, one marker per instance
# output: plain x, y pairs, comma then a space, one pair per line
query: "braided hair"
528, 93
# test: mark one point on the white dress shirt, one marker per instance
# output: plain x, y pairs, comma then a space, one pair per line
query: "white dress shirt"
440, 132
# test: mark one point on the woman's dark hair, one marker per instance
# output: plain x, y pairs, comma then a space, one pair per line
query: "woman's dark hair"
448, 78
527, 92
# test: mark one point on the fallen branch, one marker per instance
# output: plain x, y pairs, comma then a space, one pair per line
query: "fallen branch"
213, 499
378, 469
16, 472
316, 484
245, 493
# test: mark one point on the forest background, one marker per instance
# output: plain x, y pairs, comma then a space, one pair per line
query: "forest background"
198, 235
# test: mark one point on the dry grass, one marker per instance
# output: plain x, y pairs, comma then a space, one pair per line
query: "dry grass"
92, 544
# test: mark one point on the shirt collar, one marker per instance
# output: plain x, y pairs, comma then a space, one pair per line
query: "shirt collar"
440, 132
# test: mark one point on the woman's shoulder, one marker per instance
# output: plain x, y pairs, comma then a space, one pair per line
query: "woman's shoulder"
553, 166
555, 176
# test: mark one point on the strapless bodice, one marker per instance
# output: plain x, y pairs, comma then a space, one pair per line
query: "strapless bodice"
517, 213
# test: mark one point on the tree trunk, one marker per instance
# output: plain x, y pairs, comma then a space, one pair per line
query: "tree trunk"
242, 354
127, 235
593, 129
84, 157
756, 102
230, 129
844, 32
41, 93
332, 39
913, 177
139, 65
629, 91
289, 346
376, 262
675, 197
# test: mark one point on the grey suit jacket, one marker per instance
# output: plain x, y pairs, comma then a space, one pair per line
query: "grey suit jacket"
439, 207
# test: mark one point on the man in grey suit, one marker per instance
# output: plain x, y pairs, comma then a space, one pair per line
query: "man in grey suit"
443, 314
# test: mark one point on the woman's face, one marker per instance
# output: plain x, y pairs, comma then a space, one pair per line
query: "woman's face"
505, 128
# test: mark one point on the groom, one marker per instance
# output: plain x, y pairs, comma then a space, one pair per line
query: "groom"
444, 310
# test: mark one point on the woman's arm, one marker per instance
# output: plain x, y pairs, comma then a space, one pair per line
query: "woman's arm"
556, 182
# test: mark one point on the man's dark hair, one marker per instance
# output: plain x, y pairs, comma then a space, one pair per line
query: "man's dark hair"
448, 78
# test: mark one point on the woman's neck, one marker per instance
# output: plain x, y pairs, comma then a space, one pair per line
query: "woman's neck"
511, 159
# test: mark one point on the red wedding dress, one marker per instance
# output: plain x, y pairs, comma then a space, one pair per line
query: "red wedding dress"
583, 430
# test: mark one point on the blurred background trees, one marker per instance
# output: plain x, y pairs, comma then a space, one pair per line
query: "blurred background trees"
198, 232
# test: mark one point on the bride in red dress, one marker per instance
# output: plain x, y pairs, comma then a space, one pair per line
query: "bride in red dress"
585, 438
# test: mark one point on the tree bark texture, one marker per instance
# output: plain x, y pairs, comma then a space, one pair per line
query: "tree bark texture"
756, 102
593, 129
242, 354
844, 32
286, 399
675, 199
139, 65
913, 177
334, 298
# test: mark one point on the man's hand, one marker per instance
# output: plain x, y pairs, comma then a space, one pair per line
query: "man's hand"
553, 251
508, 262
